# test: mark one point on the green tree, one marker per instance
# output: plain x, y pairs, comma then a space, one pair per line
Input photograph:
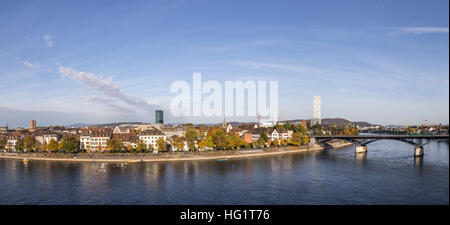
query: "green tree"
29, 143
191, 135
19, 145
264, 137
3, 142
261, 142
220, 139
209, 142
70, 144
114, 145
299, 129
140, 146
296, 139
305, 139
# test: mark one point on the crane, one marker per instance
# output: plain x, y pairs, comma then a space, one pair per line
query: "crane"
259, 119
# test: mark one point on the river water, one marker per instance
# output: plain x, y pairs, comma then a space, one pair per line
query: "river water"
387, 174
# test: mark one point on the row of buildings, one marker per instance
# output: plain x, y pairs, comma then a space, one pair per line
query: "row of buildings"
94, 139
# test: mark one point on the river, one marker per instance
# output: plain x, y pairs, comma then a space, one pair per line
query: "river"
387, 174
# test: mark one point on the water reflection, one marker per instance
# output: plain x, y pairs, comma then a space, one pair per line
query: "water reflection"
418, 163
332, 176
361, 157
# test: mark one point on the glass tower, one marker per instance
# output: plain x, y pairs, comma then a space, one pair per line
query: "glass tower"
159, 116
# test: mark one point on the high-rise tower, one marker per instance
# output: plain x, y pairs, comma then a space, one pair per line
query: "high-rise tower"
316, 115
159, 116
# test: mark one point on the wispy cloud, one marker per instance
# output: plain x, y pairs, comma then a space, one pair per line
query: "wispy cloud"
48, 39
30, 65
419, 30
106, 86
109, 103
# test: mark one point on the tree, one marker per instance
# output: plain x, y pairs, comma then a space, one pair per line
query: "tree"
296, 139
305, 139
52, 145
282, 141
161, 144
129, 148
229, 142
261, 142
3, 142
140, 146
219, 137
178, 143
70, 144
201, 144
29, 143
201, 132
191, 135
299, 129
110, 145
264, 137
60, 145
209, 142
276, 142
44, 146
114, 144
19, 145
36, 146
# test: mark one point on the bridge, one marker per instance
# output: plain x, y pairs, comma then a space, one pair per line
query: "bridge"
361, 141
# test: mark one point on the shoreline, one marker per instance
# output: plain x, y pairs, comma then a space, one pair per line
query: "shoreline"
179, 156
133, 159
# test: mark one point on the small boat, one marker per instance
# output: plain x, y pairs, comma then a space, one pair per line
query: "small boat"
26, 160
132, 161
221, 160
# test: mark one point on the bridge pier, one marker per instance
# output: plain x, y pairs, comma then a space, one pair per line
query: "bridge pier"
418, 151
360, 148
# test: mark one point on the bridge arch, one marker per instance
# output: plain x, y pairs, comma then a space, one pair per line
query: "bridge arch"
342, 139
366, 142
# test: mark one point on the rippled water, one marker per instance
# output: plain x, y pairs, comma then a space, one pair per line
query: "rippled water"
387, 174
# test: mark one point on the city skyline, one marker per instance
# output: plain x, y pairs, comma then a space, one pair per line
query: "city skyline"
85, 62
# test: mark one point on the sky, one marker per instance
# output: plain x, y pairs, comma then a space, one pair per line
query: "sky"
66, 62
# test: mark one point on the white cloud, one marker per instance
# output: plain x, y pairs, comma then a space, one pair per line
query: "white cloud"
48, 39
106, 86
31, 65
419, 30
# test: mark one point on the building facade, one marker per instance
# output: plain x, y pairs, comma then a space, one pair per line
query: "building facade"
32, 124
149, 137
159, 116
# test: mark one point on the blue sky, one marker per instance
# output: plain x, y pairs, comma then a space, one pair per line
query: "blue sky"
384, 62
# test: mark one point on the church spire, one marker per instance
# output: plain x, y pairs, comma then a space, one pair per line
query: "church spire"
224, 123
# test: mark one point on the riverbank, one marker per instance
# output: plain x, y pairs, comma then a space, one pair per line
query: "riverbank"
177, 156
339, 144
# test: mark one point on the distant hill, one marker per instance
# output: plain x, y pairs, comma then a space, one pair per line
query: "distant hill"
326, 122
107, 124
336, 121
394, 126
77, 125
